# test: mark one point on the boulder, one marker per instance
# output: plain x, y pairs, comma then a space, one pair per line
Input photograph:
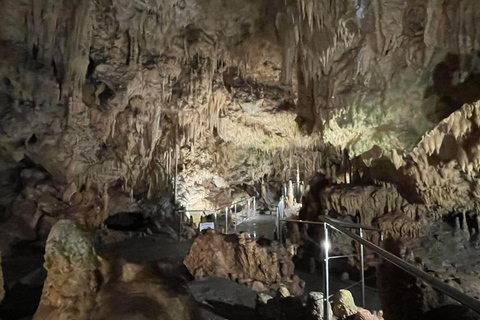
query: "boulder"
72, 282
239, 258
81, 285
344, 304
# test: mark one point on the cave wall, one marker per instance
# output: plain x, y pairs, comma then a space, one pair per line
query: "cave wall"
384, 72
107, 98
104, 102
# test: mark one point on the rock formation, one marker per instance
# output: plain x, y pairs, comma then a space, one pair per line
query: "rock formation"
286, 308
82, 285
237, 257
72, 282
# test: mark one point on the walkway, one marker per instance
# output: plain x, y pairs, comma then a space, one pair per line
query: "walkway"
259, 225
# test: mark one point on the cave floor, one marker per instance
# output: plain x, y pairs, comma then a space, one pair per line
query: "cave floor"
221, 298
259, 226
218, 298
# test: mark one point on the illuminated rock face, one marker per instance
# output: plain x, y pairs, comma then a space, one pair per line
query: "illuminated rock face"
71, 284
241, 259
383, 73
104, 103
221, 96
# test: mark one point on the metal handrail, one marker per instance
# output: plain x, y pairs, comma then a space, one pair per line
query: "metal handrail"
214, 211
434, 282
345, 224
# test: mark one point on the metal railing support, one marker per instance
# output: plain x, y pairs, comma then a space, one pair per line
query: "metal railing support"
326, 284
254, 207
226, 219
236, 217
180, 225
279, 219
434, 282
362, 267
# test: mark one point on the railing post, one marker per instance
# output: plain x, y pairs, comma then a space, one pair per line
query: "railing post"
362, 269
254, 207
236, 216
277, 220
279, 215
215, 220
180, 224
326, 285
248, 208
226, 220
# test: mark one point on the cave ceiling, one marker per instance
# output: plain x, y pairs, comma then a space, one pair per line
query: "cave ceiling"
230, 92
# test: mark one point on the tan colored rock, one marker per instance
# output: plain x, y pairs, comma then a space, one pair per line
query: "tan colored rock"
241, 259
80, 285
283, 291
364, 314
72, 284
344, 304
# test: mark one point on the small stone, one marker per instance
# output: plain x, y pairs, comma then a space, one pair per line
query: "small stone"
263, 298
283, 291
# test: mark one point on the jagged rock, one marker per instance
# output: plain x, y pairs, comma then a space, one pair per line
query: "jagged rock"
81, 285
238, 258
344, 304
72, 283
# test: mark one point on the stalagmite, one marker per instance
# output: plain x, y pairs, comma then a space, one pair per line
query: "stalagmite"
464, 222
457, 222
290, 194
